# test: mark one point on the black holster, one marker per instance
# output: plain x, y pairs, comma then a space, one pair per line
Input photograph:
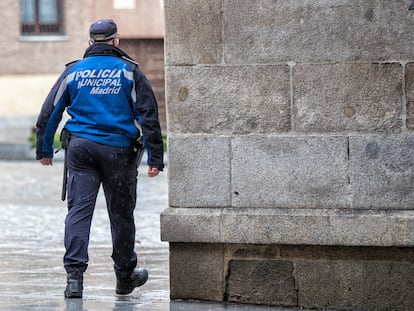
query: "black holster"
137, 151
64, 138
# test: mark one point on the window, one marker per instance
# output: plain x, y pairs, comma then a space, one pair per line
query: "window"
40, 17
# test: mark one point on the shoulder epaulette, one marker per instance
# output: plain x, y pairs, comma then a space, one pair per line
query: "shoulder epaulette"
130, 60
75, 61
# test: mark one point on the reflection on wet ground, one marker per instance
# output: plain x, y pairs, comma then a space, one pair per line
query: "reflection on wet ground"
31, 247
31, 244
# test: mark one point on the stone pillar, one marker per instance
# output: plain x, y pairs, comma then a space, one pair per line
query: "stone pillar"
291, 152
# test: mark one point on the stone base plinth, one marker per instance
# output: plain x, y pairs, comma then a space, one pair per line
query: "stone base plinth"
332, 259
317, 277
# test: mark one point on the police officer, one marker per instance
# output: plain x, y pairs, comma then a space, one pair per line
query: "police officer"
110, 103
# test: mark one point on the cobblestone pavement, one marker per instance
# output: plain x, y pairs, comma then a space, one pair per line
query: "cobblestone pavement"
31, 247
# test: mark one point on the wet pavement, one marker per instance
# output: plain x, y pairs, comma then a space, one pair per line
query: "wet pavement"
31, 247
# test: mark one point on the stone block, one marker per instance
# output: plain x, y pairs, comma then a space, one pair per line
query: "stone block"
289, 171
200, 176
355, 285
348, 97
316, 227
269, 282
264, 31
193, 32
382, 171
191, 225
228, 99
196, 271
306, 226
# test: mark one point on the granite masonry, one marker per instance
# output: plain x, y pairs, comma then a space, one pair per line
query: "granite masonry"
291, 152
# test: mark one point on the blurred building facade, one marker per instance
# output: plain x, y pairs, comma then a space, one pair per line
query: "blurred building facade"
41, 36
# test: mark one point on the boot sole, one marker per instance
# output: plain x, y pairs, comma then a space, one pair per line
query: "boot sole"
120, 290
73, 295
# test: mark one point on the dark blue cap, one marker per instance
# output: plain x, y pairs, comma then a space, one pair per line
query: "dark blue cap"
103, 30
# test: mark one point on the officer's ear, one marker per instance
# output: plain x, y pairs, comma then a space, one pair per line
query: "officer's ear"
90, 42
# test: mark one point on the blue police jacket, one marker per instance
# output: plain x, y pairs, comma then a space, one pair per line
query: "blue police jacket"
102, 93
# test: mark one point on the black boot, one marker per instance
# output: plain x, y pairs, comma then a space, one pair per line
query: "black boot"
137, 278
74, 285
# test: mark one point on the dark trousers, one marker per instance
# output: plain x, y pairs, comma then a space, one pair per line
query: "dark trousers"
89, 165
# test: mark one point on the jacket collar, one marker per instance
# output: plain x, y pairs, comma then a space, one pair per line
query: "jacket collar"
100, 49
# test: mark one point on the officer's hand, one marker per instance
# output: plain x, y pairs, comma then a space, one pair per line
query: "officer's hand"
153, 171
46, 161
